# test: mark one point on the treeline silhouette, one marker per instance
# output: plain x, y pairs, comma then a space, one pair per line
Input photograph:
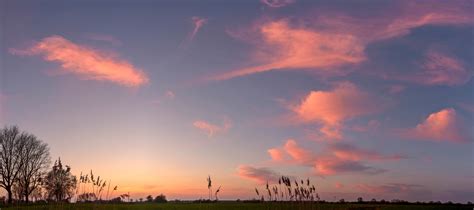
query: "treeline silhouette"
27, 176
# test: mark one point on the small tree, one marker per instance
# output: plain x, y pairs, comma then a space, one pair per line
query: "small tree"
149, 198
60, 183
161, 199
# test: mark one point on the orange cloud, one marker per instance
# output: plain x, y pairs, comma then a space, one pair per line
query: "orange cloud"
259, 175
444, 125
212, 129
296, 153
276, 154
86, 62
290, 151
277, 3
331, 108
286, 47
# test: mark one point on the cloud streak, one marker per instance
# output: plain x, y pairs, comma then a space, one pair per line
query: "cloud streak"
198, 23
86, 62
392, 188
277, 3
259, 175
212, 129
441, 69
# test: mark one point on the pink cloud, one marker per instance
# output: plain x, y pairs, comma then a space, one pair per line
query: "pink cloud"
86, 62
444, 125
350, 152
290, 151
339, 185
331, 108
259, 175
212, 129
328, 41
277, 3
276, 154
198, 23
336, 159
283, 46
296, 153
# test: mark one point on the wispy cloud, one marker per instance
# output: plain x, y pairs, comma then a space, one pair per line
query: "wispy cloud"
392, 188
277, 3
444, 125
86, 62
441, 69
332, 107
198, 23
212, 129
288, 47
333, 40
346, 151
259, 175
417, 14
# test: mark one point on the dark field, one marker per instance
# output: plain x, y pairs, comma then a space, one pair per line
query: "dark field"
233, 205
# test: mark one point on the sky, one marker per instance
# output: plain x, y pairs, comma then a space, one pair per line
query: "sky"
368, 98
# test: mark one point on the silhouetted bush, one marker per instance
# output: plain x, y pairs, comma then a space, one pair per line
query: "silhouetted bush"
160, 199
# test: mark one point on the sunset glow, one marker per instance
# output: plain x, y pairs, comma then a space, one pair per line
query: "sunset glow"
363, 98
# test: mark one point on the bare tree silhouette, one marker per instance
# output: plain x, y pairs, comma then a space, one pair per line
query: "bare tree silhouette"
35, 158
11, 145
